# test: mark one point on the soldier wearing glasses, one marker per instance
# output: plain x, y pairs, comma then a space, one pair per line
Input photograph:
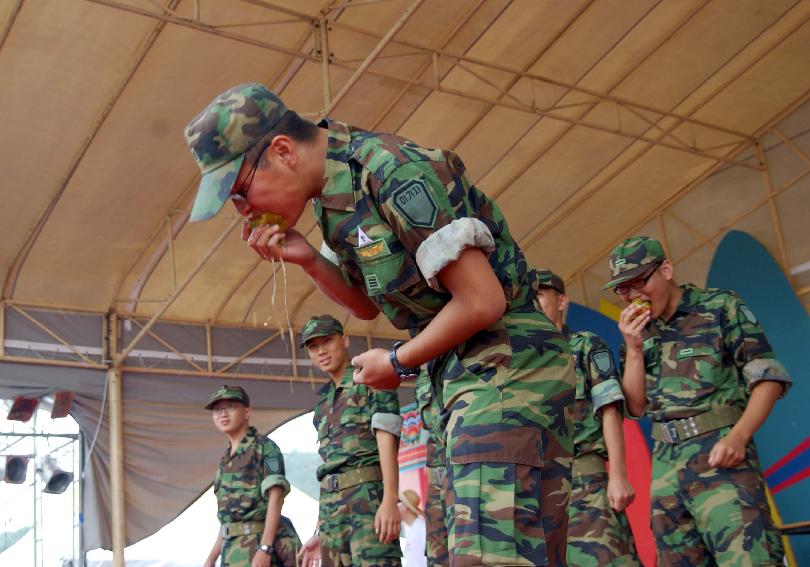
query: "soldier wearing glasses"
699, 365
250, 488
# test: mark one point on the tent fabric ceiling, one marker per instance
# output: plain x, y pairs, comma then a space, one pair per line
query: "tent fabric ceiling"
586, 120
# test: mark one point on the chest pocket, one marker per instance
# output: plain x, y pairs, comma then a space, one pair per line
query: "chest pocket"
386, 268
695, 367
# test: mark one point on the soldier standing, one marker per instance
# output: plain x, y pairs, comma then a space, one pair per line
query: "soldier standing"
599, 533
698, 363
358, 431
250, 488
428, 398
406, 233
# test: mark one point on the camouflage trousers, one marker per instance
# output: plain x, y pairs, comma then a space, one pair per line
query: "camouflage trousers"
507, 413
347, 528
239, 551
436, 518
704, 516
597, 535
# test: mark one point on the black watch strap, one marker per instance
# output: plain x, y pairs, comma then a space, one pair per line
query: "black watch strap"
402, 372
266, 548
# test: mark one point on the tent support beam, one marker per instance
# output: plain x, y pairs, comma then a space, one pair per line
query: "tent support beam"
434, 63
134, 64
117, 486
429, 84
169, 346
793, 147
371, 57
790, 109
490, 65
774, 210
44, 328
250, 351
323, 47
176, 293
10, 22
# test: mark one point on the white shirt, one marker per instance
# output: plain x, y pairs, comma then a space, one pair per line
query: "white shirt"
415, 544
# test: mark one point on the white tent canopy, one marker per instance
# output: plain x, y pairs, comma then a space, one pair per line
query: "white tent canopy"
586, 120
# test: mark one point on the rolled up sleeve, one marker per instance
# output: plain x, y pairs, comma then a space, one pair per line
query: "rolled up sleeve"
446, 244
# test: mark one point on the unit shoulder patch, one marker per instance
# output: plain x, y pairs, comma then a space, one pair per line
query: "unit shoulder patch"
273, 464
414, 202
748, 314
603, 361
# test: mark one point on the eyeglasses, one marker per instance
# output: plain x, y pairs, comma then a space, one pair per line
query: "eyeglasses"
225, 408
239, 197
636, 283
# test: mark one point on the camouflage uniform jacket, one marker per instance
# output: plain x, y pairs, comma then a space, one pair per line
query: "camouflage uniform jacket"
429, 404
346, 417
242, 480
709, 354
597, 386
394, 214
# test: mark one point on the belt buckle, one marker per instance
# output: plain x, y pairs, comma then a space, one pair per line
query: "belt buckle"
331, 482
223, 530
246, 528
670, 430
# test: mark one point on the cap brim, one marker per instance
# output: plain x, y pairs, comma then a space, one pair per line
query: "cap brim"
303, 342
627, 276
220, 398
215, 187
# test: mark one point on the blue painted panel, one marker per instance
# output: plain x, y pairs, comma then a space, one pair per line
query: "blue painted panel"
742, 264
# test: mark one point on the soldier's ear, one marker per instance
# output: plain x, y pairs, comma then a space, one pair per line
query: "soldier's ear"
563, 302
284, 147
346, 341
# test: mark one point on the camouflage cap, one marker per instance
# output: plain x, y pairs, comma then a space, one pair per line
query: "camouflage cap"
225, 392
547, 278
320, 326
219, 136
632, 258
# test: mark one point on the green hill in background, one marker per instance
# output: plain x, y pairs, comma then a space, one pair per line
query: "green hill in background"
300, 468
7, 539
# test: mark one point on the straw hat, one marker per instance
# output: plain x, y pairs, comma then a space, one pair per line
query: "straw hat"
411, 501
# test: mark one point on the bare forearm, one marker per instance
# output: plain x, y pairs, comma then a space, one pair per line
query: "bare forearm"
633, 382
387, 446
477, 302
216, 550
763, 397
328, 279
272, 518
614, 439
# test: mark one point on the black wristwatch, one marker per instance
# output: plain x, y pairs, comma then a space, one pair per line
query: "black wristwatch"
403, 373
267, 549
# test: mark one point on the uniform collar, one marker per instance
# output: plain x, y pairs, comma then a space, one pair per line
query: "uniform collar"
337, 193
247, 441
689, 300
567, 332
329, 390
